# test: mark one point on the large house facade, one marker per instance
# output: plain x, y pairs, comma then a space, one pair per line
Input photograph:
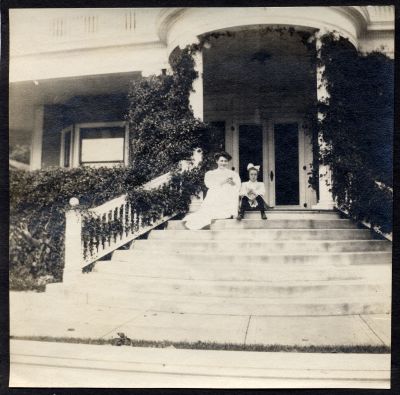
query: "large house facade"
70, 72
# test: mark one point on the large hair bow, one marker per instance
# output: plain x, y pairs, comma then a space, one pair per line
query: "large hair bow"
251, 166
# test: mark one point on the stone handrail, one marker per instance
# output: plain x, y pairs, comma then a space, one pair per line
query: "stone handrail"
118, 222
18, 165
387, 236
383, 187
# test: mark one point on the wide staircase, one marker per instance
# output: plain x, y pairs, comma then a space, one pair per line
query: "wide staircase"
304, 262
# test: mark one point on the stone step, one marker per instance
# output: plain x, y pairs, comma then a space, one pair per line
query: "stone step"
276, 214
282, 224
249, 246
167, 302
263, 234
242, 271
294, 214
260, 289
272, 223
351, 258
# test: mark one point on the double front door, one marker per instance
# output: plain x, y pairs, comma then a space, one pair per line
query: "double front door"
284, 153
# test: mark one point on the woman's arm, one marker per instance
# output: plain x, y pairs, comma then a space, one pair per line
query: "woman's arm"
210, 180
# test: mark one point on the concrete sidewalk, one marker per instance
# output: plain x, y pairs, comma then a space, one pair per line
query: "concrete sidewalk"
42, 364
37, 314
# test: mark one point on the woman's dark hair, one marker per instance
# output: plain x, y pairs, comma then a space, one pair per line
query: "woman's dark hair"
223, 154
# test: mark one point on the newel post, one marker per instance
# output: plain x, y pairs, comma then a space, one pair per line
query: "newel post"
73, 242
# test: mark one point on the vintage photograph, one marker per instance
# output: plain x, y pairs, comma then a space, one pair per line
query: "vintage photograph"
201, 197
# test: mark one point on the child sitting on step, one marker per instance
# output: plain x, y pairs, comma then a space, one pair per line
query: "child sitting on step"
252, 193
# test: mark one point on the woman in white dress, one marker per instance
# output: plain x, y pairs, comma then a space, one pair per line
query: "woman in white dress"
222, 196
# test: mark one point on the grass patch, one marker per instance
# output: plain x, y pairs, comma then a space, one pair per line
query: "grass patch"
124, 341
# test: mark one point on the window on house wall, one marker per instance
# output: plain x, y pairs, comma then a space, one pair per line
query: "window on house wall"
102, 145
66, 147
95, 144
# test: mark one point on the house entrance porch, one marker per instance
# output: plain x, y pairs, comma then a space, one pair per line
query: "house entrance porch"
258, 87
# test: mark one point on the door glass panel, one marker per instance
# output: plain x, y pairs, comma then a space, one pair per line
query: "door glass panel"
250, 149
286, 164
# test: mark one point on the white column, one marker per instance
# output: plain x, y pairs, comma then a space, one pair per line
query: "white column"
325, 201
73, 257
196, 97
37, 139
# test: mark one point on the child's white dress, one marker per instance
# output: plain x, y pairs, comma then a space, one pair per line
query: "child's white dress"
221, 200
257, 187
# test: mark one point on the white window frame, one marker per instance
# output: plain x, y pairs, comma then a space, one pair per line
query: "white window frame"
62, 153
76, 140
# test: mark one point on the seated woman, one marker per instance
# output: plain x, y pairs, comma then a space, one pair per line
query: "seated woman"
222, 195
252, 193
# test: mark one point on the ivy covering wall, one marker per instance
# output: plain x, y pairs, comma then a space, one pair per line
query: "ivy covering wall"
358, 127
163, 130
38, 201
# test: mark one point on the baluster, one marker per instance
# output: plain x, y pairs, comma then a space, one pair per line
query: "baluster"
134, 220
128, 218
97, 234
92, 239
109, 227
122, 221
140, 221
115, 224
112, 228
103, 230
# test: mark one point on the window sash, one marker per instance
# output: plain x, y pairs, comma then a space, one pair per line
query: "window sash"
98, 141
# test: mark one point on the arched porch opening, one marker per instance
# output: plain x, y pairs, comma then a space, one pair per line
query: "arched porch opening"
185, 26
258, 86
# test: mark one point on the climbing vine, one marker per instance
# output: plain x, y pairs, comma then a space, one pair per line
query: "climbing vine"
163, 129
38, 201
357, 125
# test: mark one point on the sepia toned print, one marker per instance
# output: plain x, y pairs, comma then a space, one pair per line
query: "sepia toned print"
201, 197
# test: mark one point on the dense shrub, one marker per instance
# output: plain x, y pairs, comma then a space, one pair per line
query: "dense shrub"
174, 197
358, 127
38, 201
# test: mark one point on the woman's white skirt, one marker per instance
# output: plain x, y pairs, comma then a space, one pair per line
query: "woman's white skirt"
220, 203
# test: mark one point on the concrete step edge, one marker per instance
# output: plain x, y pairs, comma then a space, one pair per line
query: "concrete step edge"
272, 254
122, 278
319, 241
223, 299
